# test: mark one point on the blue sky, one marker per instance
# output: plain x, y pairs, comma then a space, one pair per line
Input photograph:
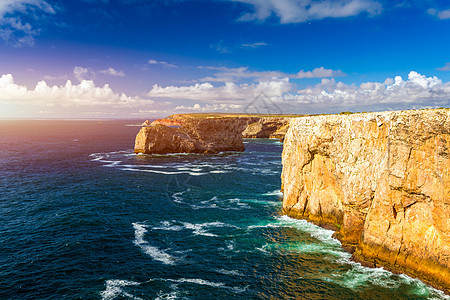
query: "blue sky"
142, 59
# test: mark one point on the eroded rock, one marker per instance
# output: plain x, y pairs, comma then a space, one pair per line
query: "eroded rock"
382, 180
206, 133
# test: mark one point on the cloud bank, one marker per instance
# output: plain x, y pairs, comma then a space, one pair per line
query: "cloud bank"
417, 89
329, 95
224, 74
74, 100
298, 11
86, 99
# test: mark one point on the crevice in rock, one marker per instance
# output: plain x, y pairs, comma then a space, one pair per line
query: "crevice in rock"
304, 207
399, 249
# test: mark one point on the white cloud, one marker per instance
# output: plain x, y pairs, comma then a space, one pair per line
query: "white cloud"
11, 6
208, 107
418, 89
236, 93
327, 96
70, 99
112, 72
319, 73
229, 92
442, 15
254, 45
81, 73
224, 74
297, 11
163, 63
12, 30
220, 47
446, 67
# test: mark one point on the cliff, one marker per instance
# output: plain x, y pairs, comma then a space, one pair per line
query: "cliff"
267, 127
382, 180
206, 133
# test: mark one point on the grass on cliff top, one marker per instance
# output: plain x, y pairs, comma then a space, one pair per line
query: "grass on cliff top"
242, 115
236, 115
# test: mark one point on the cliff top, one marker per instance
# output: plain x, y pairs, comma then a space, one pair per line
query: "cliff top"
232, 115
383, 115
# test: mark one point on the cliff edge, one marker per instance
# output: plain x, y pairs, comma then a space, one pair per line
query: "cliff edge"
382, 180
206, 133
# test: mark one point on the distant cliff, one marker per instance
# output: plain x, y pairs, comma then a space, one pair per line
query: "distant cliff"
206, 133
382, 180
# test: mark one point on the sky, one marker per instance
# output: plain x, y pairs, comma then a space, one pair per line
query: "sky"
152, 58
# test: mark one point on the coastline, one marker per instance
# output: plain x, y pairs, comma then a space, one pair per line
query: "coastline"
349, 173
371, 177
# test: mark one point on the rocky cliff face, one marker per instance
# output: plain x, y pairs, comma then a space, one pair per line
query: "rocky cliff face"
196, 135
267, 127
205, 133
382, 180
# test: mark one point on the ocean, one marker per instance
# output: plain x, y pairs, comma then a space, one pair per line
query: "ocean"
83, 217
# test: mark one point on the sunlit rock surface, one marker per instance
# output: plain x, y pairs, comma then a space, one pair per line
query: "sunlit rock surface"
206, 133
382, 180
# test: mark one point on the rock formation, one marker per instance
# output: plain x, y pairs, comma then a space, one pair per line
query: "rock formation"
206, 133
267, 127
382, 180
196, 135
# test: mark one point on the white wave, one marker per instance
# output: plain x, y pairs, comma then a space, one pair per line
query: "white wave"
274, 193
166, 225
114, 289
269, 225
423, 289
199, 229
198, 281
213, 203
145, 166
163, 172
263, 248
230, 272
111, 163
153, 252
358, 275
231, 245
263, 202
177, 197
167, 296
203, 282
319, 233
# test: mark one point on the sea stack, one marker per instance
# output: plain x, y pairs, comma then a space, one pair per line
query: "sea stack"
206, 133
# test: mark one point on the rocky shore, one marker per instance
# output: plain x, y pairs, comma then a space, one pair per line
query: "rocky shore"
381, 180
206, 133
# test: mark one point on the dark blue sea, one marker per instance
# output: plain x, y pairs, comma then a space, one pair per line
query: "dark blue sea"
83, 217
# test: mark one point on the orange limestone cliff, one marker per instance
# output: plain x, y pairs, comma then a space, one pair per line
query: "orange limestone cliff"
206, 133
192, 134
382, 180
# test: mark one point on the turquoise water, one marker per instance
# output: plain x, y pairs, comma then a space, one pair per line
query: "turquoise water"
83, 217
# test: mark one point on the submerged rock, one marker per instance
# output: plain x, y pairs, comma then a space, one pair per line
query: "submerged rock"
382, 180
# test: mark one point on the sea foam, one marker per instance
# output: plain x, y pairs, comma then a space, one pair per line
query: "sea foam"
153, 252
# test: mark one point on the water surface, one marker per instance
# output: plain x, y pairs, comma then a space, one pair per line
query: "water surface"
83, 217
